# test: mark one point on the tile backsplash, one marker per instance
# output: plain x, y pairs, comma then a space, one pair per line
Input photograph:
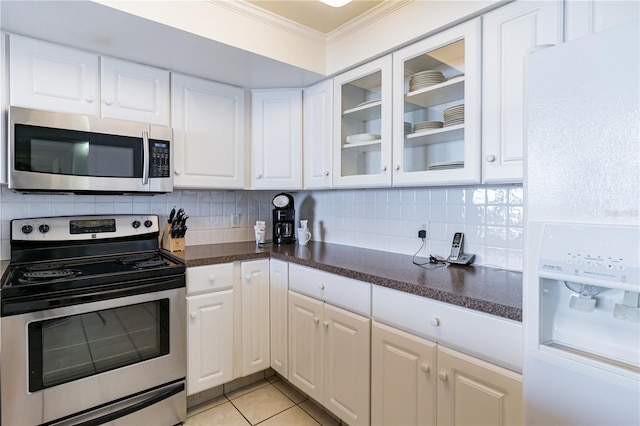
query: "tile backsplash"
382, 219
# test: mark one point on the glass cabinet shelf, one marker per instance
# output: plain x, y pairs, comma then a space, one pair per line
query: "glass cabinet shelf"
437, 94
363, 145
426, 137
369, 111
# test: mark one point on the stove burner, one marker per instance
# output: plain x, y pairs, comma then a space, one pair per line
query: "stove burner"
150, 264
136, 258
47, 275
44, 267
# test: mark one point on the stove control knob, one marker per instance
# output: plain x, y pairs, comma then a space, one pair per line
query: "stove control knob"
136, 224
27, 229
148, 223
44, 228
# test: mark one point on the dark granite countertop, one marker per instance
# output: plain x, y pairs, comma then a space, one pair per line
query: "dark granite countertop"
493, 291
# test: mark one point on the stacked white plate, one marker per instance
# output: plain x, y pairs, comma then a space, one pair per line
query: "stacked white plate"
454, 115
362, 137
445, 165
427, 125
424, 79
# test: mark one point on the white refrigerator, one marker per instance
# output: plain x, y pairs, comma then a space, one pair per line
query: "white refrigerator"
582, 233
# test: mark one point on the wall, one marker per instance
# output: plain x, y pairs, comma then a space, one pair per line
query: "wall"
381, 219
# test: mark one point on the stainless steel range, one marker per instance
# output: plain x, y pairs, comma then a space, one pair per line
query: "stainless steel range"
92, 327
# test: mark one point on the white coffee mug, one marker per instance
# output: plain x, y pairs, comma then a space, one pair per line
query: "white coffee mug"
304, 235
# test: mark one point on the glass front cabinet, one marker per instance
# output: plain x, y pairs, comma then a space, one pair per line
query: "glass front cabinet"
362, 130
436, 114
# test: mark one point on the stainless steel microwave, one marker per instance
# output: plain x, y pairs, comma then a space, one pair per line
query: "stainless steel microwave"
52, 151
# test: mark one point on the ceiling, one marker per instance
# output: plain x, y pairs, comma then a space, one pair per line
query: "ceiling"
315, 14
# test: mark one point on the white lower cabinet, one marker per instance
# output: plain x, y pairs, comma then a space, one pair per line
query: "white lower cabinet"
329, 351
475, 392
255, 316
210, 299
278, 321
403, 378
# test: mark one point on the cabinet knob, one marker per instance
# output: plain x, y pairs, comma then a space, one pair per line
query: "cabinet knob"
326, 173
435, 322
491, 158
176, 172
259, 176
442, 376
383, 168
326, 324
321, 286
424, 368
193, 315
90, 99
212, 278
316, 320
397, 167
108, 102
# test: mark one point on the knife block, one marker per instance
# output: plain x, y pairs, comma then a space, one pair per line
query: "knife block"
171, 244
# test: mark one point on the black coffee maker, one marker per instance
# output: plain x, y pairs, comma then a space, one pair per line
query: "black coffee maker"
284, 219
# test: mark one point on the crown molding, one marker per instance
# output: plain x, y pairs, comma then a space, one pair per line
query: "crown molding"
375, 14
263, 16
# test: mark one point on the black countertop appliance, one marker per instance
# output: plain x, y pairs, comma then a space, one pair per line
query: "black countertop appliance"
284, 217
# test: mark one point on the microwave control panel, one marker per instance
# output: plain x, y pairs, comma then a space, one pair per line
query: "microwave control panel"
160, 162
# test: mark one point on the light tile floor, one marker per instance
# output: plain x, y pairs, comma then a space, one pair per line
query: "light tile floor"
270, 402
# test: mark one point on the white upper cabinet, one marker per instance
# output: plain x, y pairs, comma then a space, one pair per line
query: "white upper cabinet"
318, 131
49, 76
276, 139
508, 33
584, 17
362, 126
436, 110
208, 133
134, 92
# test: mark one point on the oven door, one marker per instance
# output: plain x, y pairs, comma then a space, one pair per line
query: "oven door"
65, 361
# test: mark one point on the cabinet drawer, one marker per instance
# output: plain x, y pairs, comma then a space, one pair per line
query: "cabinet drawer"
492, 338
209, 278
344, 292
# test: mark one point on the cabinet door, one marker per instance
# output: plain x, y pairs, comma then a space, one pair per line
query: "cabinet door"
134, 92
362, 126
318, 131
346, 352
436, 111
208, 133
49, 76
209, 340
475, 392
403, 371
278, 287
509, 32
255, 316
585, 17
305, 344
276, 139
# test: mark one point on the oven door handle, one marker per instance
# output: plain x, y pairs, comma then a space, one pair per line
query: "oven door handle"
130, 409
145, 157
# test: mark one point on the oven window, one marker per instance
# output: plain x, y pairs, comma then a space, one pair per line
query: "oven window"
68, 348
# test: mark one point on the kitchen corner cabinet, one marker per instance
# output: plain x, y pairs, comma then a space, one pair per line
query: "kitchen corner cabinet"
472, 391
508, 33
210, 343
436, 110
585, 17
49, 76
278, 305
329, 341
403, 378
256, 352
208, 133
318, 131
276, 139
134, 92
362, 126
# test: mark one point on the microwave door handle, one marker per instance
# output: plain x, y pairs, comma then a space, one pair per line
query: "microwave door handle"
145, 157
